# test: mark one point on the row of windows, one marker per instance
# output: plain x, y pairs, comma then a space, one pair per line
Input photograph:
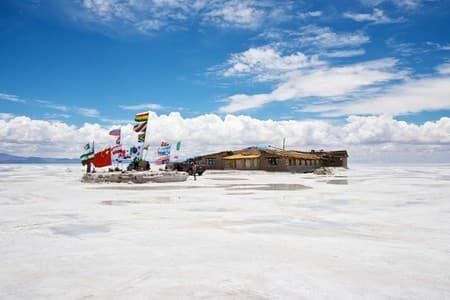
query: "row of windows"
303, 162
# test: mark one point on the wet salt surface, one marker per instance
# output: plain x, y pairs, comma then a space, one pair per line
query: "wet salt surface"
369, 232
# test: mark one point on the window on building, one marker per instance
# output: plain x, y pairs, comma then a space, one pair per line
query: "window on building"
210, 162
272, 161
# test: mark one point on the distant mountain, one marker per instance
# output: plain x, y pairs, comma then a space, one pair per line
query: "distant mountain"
12, 159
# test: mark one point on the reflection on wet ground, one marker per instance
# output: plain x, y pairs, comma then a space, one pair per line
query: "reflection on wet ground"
228, 179
119, 202
147, 187
240, 194
211, 209
239, 187
337, 181
268, 187
79, 229
408, 203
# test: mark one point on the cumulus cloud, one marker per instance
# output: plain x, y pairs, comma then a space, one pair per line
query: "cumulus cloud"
6, 116
376, 17
244, 14
267, 62
425, 94
444, 69
209, 133
327, 82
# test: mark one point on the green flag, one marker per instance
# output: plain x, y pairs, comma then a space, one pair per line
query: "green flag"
178, 146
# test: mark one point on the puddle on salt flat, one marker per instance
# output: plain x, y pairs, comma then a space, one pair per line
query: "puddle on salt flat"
228, 179
119, 202
267, 187
338, 181
79, 229
409, 203
240, 194
147, 188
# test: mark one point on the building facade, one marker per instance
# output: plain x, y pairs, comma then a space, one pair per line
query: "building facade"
262, 159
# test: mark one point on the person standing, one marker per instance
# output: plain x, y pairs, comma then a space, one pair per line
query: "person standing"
194, 170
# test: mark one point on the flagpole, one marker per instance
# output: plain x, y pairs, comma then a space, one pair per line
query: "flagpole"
145, 138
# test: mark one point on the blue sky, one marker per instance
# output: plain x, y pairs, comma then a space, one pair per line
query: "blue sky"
101, 61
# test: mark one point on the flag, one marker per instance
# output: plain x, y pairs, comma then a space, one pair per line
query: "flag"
115, 132
141, 137
116, 149
141, 117
164, 150
88, 155
162, 160
178, 146
140, 127
118, 140
102, 158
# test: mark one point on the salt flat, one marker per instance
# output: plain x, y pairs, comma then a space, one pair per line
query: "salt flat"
374, 232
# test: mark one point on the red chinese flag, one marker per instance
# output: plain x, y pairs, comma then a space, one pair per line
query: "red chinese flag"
103, 158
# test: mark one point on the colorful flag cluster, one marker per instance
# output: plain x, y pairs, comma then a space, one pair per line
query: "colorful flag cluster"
88, 154
141, 127
163, 153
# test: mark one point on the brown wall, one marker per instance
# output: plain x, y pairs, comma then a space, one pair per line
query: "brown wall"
263, 163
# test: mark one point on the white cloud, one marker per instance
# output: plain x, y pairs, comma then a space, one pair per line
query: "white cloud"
443, 69
405, 4
376, 17
144, 106
316, 13
345, 53
51, 105
408, 4
87, 112
361, 136
155, 15
425, 94
11, 98
439, 46
236, 13
6, 116
326, 82
267, 62
325, 38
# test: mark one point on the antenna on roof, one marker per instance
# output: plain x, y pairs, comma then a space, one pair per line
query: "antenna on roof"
284, 144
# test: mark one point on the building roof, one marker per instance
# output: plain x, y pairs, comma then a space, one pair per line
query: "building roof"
296, 155
242, 156
253, 152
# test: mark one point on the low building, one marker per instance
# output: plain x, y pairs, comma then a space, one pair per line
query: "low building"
333, 158
262, 159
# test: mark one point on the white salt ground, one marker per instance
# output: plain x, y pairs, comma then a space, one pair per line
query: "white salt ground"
364, 233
